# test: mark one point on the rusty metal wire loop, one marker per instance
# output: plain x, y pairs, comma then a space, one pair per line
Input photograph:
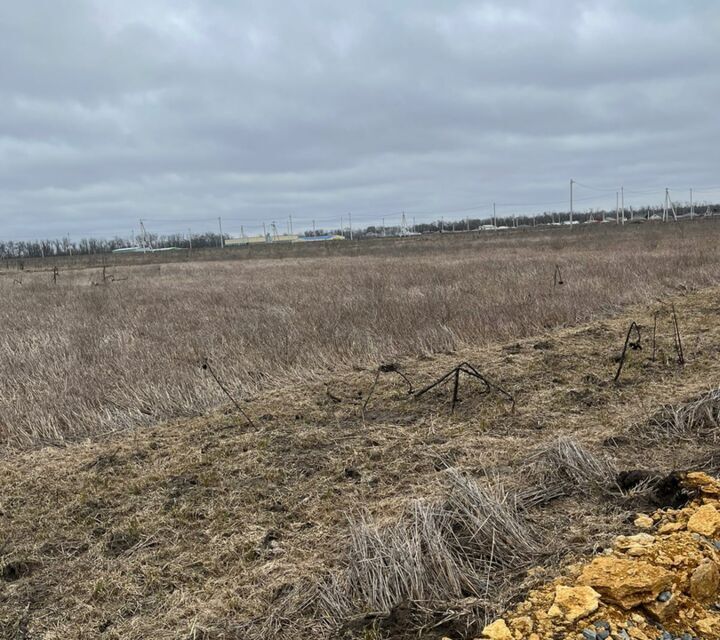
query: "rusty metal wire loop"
468, 370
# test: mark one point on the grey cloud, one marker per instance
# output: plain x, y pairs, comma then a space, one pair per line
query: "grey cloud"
255, 110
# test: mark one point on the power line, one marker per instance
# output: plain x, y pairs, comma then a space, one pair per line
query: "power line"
645, 191
174, 220
548, 203
586, 186
371, 217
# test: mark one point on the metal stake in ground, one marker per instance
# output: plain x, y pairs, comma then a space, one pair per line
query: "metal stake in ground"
655, 317
635, 346
206, 367
678, 341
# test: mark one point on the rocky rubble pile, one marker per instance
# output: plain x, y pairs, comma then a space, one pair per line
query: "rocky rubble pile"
661, 584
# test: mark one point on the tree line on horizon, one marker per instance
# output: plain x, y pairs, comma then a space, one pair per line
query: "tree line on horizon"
88, 246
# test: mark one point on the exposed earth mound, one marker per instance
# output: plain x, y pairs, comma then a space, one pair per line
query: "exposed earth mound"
661, 583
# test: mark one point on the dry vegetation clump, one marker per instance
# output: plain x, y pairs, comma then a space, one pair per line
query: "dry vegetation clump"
469, 551
441, 552
85, 357
697, 418
564, 463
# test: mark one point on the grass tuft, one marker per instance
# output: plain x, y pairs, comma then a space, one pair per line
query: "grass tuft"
698, 418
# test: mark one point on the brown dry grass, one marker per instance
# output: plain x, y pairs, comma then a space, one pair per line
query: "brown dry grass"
79, 360
209, 528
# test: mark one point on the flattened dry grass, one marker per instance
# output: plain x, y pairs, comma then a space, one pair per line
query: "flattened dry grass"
79, 360
309, 523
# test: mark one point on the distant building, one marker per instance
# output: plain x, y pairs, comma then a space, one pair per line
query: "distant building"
319, 238
269, 239
144, 250
244, 240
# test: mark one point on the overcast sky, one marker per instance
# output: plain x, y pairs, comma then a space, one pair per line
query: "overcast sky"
179, 111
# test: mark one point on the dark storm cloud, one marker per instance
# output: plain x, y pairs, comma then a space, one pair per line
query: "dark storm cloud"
185, 110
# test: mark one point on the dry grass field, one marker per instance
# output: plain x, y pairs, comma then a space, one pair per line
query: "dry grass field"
348, 508
80, 357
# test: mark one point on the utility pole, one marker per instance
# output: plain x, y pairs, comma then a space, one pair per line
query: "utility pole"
665, 206
383, 227
571, 200
692, 206
342, 229
494, 216
350, 224
144, 235
222, 240
313, 227
442, 223
264, 232
670, 204
617, 208
467, 223
190, 238
414, 224
290, 223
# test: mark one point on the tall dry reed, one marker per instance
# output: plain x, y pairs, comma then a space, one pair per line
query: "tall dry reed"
78, 359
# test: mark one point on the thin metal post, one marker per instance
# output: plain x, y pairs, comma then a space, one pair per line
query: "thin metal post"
617, 208
692, 206
671, 206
